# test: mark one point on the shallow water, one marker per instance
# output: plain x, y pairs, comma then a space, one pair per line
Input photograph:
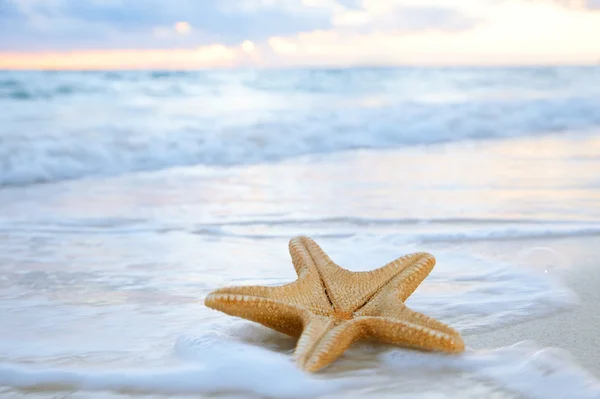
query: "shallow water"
102, 279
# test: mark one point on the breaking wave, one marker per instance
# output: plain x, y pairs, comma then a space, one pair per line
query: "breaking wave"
58, 126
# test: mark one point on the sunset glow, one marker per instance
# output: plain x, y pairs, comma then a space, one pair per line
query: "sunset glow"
210, 56
381, 32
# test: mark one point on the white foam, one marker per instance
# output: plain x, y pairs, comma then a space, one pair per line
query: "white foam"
520, 232
217, 364
423, 231
524, 368
214, 366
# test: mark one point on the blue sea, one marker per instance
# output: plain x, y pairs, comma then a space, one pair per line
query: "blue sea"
125, 197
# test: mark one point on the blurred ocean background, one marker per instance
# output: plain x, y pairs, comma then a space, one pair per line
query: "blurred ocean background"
65, 125
125, 197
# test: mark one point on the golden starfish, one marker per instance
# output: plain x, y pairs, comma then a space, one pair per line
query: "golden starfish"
329, 307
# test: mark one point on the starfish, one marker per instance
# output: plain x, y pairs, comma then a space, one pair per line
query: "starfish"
329, 307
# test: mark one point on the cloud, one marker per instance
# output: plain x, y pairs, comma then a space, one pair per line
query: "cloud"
588, 4
182, 34
405, 18
64, 24
591, 5
154, 24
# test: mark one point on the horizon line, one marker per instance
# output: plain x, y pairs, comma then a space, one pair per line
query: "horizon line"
310, 67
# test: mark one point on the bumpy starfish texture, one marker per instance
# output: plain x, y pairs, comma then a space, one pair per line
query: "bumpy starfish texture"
329, 307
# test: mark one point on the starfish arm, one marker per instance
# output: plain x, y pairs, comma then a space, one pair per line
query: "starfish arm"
245, 302
415, 268
403, 275
394, 309
428, 322
405, 333
307, 291
278, 293
307, 255
389, 300
391, 307
323, 341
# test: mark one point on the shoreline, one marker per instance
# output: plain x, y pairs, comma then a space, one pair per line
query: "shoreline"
574, 329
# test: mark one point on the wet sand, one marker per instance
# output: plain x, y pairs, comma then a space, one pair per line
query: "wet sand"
576, 262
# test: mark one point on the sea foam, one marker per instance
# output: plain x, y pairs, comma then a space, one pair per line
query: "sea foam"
524, 368
223, 366
214, 366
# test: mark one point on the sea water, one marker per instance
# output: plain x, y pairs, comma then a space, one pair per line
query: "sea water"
125, 197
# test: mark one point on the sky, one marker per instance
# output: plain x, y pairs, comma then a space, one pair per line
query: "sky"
191, 34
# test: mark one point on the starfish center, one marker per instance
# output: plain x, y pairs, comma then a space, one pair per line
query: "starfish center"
340, 316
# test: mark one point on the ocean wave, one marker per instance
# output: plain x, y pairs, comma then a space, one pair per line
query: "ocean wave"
225, 367
362, 221
114, 123
403, 230
219, 367
510, 234
20, 90
443, 231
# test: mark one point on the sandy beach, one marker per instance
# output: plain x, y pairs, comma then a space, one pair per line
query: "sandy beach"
575, 262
